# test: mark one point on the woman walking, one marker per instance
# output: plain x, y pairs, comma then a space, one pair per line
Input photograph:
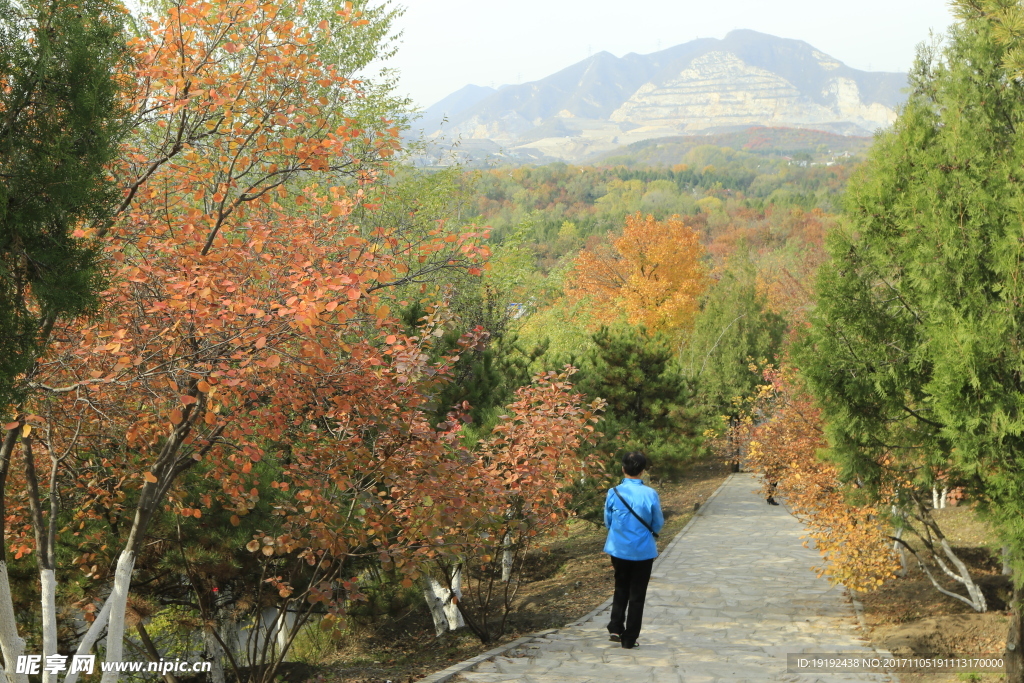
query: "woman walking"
632, 513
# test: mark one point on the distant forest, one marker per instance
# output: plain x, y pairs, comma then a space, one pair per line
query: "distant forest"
721, 191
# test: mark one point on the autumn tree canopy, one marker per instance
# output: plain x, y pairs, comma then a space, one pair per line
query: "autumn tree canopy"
652, 273
246, 333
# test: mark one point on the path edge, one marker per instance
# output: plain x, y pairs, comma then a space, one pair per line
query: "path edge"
858, 609
455, 669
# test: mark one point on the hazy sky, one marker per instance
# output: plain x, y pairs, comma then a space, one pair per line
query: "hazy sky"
449, 43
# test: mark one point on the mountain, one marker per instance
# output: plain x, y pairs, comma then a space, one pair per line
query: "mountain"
437, 114
703, 86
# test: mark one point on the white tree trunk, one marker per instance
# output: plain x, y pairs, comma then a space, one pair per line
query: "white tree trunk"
451, 610
273, 633
91, 636
973, 589
506, 558
443, 609
48, 600
11, 644
231, 634
935, 498
118, 601
265, 633
942, 499
435, 595
898, 547
284, 629
962, 575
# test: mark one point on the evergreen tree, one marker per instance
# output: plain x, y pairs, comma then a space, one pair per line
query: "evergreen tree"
495, 301
61, 118
916, 344
650, 403
733, 329
486, 378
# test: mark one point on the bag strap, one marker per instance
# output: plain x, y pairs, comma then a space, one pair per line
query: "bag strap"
632, 512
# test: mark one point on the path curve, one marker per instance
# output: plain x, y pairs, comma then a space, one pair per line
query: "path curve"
729, 598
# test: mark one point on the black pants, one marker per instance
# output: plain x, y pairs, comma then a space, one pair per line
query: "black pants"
631, 577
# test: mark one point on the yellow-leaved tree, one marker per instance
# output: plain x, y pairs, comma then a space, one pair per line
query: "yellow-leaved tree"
652, 273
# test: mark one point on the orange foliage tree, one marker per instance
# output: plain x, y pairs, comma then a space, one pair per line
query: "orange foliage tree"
246, 321
858, 528
652, 272
497, 499
784, 436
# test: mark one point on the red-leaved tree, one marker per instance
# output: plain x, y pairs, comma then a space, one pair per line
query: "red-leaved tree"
244, 312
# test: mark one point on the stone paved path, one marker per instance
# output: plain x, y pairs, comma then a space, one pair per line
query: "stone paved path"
728, 599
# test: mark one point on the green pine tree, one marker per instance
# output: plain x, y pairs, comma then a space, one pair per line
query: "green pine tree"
650, 402
62, 115
916, 346
485, 378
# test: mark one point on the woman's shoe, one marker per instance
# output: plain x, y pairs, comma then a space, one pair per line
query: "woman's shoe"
615, 637
630, 646
772, 501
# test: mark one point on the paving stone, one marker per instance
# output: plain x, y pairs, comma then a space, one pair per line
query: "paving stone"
728, 602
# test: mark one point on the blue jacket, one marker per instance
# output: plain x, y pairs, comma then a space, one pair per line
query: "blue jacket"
628, 539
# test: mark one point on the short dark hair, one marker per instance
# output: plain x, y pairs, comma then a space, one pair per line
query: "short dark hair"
634, 462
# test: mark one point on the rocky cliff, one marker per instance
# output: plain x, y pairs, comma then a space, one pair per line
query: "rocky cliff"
706, 85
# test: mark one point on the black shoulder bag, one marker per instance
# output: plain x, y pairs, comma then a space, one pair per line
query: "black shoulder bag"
632, 512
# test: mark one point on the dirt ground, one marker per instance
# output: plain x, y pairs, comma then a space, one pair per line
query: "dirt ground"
908, 616
565, 579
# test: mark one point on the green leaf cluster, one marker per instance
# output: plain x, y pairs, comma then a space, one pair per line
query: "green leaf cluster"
734, 328
916, 349
61, 119
650, 402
